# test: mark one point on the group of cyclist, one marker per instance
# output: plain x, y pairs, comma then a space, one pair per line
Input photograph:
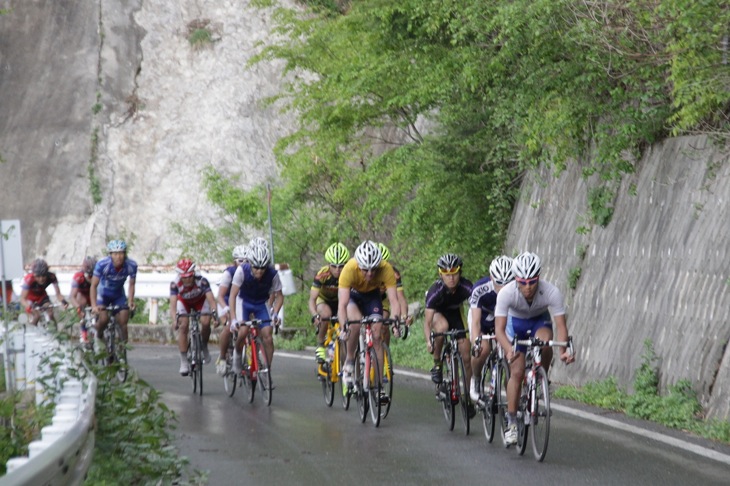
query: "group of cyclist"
511, 302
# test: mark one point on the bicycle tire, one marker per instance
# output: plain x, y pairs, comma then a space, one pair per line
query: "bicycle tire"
264, 372
541, 419
246, 371
120, 354
462, 390
328, 386
193, 361
229, 378
387, 373
523, 419
500, 395
489, 371
341, 352
199, 362
445, 391
372, 371
362, 401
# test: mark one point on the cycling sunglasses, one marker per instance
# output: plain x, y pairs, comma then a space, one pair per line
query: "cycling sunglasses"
530, 282
449, 271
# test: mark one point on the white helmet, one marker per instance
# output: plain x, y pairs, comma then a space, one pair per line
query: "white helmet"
501, 270
240, 252
258, 241
258, 256
526, 265
368, 255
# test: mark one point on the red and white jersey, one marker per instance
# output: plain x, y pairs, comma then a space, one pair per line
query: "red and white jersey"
80, 282
37, 292
192, 296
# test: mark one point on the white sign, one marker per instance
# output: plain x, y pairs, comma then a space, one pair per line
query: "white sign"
11, 250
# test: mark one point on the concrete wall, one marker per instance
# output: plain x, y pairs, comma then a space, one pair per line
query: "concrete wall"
660, 270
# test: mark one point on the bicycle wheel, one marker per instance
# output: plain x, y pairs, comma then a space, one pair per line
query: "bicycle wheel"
374, 386
264, 372
462, 390
229, 378
198, 363
490, 372
387, 380
341, 354
193, 361
445, 389
119, 354
500, 395
523, 419
328, 387
248, 383
541, 419
362, 400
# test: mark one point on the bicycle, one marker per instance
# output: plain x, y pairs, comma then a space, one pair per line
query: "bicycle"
89, 321
533, 410
45, 320
115, 347
368, 386
493, 385
453, 389
255, 369
399, 329
329, 373
195, 347
230, 378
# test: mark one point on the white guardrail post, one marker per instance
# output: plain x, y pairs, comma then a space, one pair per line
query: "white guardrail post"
62, 454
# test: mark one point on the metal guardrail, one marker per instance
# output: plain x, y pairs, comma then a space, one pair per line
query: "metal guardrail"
63, 453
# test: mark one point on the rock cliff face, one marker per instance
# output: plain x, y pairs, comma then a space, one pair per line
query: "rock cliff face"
165, 110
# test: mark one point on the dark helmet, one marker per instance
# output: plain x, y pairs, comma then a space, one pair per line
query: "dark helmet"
88, 265
39, 267
449, 261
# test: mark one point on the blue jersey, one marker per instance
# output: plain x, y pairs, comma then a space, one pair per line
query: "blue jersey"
111, 280
485, 298
226, 280
253, 291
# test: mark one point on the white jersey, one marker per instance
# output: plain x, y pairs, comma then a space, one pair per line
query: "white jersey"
510, 301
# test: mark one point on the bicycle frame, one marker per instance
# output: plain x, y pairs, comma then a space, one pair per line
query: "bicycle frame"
254, 371
450, 391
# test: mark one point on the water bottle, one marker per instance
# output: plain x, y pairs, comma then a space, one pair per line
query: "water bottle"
331, 351
493, 382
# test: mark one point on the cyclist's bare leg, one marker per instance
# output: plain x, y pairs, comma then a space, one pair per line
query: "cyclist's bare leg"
386, 329
242, 333
224, 338
267, 338
325, 312
353, 314
465, 351
517, 373
477, 362
205, 329
122, 320
440, 324
378, 345
546, 334
182, 335
101, 323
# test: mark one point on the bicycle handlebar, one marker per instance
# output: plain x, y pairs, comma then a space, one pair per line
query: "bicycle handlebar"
539, 343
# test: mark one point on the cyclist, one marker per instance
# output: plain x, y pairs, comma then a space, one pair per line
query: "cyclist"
444, 312
323, 293
240, 256
482, 301
399, 291
107, 287
526, 301
190, 291
80, 287
359, 295
251, 287
33, 291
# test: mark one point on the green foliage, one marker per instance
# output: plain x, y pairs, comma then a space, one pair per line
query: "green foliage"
22, 421
411, 352
141, 315
573, 276
600, 203
94, 184
605, 394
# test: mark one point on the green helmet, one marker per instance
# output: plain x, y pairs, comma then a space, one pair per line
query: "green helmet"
337, 254
384, 252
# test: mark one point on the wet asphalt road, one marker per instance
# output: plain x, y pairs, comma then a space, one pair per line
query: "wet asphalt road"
299, 440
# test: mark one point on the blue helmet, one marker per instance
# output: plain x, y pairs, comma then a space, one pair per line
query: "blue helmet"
116, 245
